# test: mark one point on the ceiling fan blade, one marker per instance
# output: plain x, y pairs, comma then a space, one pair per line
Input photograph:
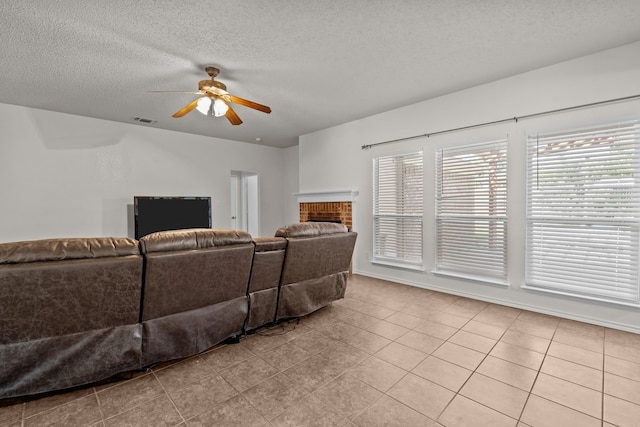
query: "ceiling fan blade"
233, 117
250, 104
187, 109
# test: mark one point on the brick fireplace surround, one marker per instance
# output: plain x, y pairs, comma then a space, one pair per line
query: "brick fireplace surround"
330, 207
327, 211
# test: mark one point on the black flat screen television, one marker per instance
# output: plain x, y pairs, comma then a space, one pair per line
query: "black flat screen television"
170, 213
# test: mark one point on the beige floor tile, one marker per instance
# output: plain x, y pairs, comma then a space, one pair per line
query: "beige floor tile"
179, 375
201, 395
442, 373
258, 343
573, 372
45, 403
495, 394
78, 412
620, 412
338, 330
581, 328
387, 330
12, 411
362, 320
404, 319
519, 355
236, 412
420, 311
622, 388
374, 310
463, 412
508, 372
285, 355
449, 319
622, 351
461, 356
274, 395
388, 412
377, 373
313, 342
128, 394
473, 341
540, 412
622, 367
574, 396
426, 397
313, 372
225, 356
498, 315
419, 341
367, 341
576, 339
436, 329
577, 355
347, 395
310, 412
484, 329
534, 327
159, 412
465, 308
343, 355
401, 356
248, 373
524, 340
623, 337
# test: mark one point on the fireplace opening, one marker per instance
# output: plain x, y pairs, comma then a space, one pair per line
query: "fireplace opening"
338, 212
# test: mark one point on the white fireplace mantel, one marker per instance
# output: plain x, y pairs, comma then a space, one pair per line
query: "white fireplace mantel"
327, 196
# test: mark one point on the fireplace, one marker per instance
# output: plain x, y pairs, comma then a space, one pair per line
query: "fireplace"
340, 212
328, 207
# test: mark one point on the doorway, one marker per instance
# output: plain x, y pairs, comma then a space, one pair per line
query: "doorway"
244, 202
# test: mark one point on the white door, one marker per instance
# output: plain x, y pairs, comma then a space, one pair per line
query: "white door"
235, 189
244, 202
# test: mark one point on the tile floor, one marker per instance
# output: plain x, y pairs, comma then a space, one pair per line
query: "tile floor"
386, 355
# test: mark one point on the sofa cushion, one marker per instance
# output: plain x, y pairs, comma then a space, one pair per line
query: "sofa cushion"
311, 229
265, 244
193, 238
66, 249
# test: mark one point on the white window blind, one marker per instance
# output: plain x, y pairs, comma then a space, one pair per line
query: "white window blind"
471, 210
583, 212
397, 210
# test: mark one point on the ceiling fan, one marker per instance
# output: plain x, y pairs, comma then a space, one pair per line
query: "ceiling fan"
215, 100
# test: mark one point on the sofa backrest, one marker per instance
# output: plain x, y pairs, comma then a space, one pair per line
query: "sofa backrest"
62, 286
316, 249
267, 263
189, 269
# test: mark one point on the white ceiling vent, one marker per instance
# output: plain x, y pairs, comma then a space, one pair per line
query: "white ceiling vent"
143, 120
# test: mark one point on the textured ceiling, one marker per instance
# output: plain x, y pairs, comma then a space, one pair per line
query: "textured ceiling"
316, 63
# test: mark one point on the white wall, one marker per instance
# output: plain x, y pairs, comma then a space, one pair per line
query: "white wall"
290, 186
67, 176
332, 159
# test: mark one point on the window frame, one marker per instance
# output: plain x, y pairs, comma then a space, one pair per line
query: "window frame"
398, 207
467, 242
582, 214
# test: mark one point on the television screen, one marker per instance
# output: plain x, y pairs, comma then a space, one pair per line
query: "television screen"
170, 213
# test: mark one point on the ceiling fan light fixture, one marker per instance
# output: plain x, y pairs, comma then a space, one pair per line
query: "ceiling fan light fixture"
204, 105
220, 108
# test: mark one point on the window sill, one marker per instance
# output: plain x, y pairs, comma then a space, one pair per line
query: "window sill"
396, 264
602, 299
474, 277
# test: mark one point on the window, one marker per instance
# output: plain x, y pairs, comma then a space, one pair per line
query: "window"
583, 212
471, 211
397, 210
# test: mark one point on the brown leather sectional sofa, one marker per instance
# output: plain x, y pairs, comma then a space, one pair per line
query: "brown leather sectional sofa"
77, 311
